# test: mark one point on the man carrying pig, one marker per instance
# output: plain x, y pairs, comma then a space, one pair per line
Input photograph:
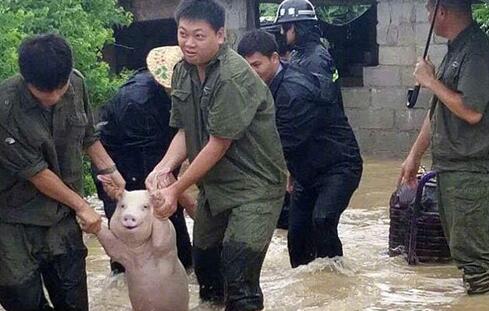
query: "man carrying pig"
226, 127
45, 125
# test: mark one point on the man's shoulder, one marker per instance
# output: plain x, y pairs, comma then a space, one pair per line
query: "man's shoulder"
479, 43
233, 66
77, 77
10, 85
297, 81
9, 94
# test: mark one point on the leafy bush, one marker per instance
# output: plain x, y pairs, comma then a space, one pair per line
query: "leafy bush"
86, 24
481, 14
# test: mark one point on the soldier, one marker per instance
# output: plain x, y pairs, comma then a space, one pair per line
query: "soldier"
45, 125
457, 126
226, 127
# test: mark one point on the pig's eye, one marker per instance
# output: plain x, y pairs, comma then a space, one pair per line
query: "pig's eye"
122, 206
146, 206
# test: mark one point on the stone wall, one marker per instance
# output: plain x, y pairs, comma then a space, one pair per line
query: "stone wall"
377, 111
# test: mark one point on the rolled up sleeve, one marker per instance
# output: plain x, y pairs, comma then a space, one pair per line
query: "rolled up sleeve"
18, 157
474, 82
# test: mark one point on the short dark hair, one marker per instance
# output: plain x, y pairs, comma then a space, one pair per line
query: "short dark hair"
456, 5
257, 41
211, 11
45, 61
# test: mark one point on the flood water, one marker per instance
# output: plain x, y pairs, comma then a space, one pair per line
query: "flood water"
366, 279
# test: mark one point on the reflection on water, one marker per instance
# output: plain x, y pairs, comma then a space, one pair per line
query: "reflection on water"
366, 279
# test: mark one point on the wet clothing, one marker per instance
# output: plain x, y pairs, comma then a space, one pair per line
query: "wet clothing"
236, 240
464, 211
315, 133
32, 140
457, 145
39, 237
461, 157
315, 214
134, 130
320, 148
232, 103
55, 253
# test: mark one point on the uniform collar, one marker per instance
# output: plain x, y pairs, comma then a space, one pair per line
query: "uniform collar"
218, 57
461, 39
277, 79
30, 102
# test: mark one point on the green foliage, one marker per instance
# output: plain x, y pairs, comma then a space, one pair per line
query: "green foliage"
88, 27
268, 11
481, 15
88, 184
86, 24
341, 14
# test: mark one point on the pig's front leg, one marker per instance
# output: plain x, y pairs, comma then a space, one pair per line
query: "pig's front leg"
163, 236
116, 250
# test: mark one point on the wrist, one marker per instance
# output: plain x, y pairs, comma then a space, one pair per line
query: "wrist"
431, 83
108, 170
178, 188
80, 206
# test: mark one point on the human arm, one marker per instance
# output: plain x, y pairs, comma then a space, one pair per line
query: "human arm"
296, 116
410, 166
162, 175
106, 166
52, 186
212, 152
468, 102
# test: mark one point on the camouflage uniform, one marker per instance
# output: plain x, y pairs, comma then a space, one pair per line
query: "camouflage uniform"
39, 236
241, 196
461, 157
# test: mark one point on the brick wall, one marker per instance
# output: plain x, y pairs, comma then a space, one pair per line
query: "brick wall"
377, 111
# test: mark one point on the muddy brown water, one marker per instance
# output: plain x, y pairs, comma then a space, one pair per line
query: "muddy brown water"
366, 279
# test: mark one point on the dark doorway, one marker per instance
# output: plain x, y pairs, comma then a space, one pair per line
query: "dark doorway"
133, 43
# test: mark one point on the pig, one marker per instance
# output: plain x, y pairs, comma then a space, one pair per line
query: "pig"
146, 247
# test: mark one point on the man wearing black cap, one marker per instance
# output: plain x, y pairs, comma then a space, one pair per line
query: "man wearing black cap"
457, 127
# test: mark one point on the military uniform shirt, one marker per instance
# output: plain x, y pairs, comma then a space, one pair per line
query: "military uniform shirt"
32, 138
457, 145
232, 103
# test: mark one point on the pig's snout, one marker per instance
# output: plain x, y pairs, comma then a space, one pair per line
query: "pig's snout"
129, 221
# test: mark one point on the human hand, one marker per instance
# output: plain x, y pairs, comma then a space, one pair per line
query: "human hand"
90, 221
424, 73
409, 170
164, 202
159, 178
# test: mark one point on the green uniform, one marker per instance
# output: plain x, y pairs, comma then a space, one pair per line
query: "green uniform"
43, 234
249, 181
461, 157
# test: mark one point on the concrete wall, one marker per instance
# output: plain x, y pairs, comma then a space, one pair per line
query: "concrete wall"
377, 111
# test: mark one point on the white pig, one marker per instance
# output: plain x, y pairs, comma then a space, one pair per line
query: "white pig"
146, 247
